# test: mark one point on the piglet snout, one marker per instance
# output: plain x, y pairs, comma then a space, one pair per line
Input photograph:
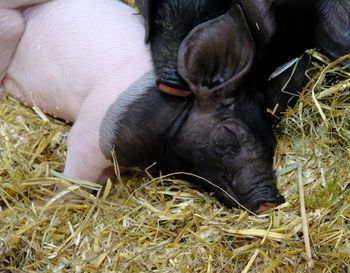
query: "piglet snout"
266, 197
273, 201
265, 206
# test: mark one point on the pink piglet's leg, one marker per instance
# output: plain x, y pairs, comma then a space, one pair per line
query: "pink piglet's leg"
85, 159
11, 30
13, 4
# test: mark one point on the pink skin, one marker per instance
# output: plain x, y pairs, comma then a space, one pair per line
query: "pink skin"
74, 59
11, 30
265, 206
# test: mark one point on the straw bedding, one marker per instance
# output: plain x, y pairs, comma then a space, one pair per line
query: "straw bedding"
141, 223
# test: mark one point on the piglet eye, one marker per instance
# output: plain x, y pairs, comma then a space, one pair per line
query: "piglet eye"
225, 138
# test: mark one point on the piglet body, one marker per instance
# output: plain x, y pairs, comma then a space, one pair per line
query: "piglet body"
73, 61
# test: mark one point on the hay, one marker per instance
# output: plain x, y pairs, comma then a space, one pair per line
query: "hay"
147, 224
161, 224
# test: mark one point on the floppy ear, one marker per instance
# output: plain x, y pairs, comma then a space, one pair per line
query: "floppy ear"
285, 84
216, 56
145, 7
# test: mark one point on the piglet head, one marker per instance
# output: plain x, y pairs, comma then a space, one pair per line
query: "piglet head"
230, 145
226, 137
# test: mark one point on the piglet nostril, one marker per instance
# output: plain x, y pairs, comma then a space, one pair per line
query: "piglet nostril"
265, 206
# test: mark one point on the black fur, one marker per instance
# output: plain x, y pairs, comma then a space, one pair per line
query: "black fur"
289, 27
225, 51
169, 23
227, 144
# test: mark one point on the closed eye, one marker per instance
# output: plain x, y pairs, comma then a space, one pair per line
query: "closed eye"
240, 131
225, 139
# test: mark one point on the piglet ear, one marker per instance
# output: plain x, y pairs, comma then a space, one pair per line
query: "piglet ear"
216, 56
145, 7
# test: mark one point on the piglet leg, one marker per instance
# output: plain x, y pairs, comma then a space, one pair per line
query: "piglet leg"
85, 160
11, 30
14, 4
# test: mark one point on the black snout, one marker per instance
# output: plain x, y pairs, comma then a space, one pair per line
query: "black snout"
265, 198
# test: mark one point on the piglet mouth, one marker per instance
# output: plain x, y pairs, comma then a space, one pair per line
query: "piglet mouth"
263, 199
266, 203
265, 206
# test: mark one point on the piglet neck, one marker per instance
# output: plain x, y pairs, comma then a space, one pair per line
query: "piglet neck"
152, 121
